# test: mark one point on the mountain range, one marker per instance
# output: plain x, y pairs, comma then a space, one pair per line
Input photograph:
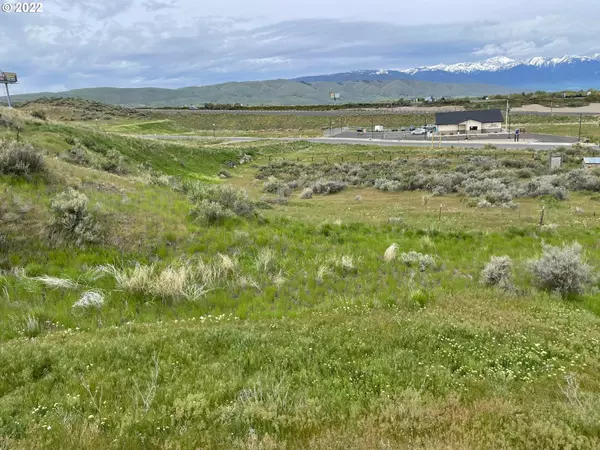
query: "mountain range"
497, 75
274, 92
568, 72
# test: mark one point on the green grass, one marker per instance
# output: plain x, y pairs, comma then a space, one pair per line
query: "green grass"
299, 351
589, 131
150, 127
289, 122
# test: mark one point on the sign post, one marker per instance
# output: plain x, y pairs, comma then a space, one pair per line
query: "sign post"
8, 78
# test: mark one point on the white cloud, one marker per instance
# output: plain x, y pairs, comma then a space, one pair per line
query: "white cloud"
184, 42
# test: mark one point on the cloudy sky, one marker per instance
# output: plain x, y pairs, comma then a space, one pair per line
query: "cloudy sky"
176, 43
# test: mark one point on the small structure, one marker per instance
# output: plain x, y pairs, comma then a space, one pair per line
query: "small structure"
469, 122
555, 162
591, 162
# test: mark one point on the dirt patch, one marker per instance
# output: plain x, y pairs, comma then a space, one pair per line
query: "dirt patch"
592, 108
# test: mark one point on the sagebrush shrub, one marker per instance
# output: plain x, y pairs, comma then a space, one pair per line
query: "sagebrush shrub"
39, 114
389, 185
20, 159
213, 203
272, 185
114, 163
321, 187
210, 213
562, 270
306, 193
493, 190
77, 155
11, 119
71, 219
423, 261
498, 272
546, 185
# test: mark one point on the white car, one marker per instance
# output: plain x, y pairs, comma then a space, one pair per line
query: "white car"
419, 131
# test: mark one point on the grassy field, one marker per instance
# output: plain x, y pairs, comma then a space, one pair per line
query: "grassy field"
590, 131
285, 322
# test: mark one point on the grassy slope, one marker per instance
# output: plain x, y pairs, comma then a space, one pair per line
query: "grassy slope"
348, 362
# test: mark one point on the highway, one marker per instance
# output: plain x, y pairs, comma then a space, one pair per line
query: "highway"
509, 145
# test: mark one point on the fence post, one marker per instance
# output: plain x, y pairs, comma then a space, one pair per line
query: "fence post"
542, 216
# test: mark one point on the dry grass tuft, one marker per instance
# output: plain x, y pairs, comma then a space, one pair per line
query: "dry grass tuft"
90, 299
56, 283
265, 260
390, 253
323, 271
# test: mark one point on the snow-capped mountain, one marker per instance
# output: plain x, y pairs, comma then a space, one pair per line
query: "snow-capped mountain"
568, 72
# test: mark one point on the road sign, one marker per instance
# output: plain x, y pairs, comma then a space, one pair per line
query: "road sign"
8, 77
334, 95
555, 162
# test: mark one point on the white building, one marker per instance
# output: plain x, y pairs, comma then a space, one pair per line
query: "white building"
469, 122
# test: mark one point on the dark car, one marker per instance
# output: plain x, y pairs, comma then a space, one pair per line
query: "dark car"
403, 129
394, 129
412, 128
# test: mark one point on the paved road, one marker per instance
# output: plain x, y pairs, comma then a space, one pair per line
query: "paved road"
379, 142
494, 138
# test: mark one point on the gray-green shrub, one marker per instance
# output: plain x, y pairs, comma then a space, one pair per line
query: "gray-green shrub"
563, 270
321, 187
71, 219
20, 159
306, 193
231, 200
209, 212
498, 272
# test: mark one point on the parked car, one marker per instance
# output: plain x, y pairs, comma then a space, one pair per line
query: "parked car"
360, 130
419, 131
412, 128
403, 129
394, 129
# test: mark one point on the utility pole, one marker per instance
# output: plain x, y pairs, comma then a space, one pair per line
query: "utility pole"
214, 132
372, 126
580, 116
8, 95
507, 124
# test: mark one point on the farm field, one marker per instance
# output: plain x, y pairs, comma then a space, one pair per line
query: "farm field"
292, 295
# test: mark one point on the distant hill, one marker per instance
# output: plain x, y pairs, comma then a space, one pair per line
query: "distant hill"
553, 74
273, 92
